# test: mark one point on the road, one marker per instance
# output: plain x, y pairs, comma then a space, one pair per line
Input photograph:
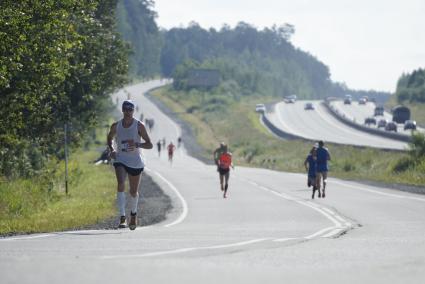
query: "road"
358, 113
268, 230
319, 124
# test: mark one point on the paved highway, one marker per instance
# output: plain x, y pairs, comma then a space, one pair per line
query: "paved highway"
268, 230
358, 113
319, 124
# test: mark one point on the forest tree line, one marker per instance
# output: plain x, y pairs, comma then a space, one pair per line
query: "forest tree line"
411, 87
262, 62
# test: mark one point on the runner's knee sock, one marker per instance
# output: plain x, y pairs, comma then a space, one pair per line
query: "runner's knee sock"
133, 203
121, 202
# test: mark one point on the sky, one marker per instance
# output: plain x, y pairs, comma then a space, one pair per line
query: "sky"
367, 44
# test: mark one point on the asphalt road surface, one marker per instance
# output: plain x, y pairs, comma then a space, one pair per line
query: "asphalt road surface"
359, 113
319, 124
268, 230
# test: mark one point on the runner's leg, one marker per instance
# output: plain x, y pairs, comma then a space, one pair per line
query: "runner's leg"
226, 186
325, 176
318, 182
221, 181
134, 182
121, 174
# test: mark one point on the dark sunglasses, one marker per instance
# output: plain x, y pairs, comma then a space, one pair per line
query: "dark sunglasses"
127, 109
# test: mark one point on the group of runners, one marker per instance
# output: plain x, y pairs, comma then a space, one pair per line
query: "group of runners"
170, 148
316, 165
128, 134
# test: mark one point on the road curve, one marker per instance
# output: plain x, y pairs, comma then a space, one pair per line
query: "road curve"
319, 124
267, 230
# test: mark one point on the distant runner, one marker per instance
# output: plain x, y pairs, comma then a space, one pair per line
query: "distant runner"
224, 164
158, 146
218, 152
323, 157
171, 147
310, 164
128, 134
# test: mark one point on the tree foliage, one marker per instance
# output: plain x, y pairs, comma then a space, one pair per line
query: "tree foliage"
411, 87
136, 23
260, 61
58, 62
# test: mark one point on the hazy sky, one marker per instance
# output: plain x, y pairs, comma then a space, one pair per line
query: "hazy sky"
367, 44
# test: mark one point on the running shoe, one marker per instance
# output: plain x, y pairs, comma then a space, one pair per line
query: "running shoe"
133, 221
123, 222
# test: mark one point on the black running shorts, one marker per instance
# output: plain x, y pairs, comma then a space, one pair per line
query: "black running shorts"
223, 171
130, 171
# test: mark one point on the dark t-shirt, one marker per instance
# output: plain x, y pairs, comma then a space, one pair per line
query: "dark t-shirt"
312, 166
322, 159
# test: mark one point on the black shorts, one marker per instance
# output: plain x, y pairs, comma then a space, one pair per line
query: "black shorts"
223, 171
130, 171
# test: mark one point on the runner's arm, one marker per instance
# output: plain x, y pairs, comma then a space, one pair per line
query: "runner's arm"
144, 134
215, 156
110, 137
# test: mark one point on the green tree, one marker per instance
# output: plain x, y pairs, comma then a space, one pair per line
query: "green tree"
59, 60
136, 23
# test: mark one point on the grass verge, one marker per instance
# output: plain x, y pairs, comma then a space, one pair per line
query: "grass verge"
216, 118
41, 205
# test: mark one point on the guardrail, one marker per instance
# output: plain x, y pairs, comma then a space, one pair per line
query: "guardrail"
289, 136
349, 122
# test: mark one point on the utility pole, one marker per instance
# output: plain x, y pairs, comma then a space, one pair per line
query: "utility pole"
66, 157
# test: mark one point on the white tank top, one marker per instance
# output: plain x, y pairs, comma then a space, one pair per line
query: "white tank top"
132, 159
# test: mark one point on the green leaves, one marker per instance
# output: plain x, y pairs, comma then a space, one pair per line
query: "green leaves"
58, 61
411, 87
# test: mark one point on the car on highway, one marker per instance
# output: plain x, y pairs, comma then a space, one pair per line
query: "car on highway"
391, 126
379, 110
309, 106
410, 124
382, 123
370, 120
362, 101
290, 99
260, 108
347, 100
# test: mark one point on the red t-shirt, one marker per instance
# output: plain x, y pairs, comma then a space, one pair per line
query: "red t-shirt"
171, 148
225, 160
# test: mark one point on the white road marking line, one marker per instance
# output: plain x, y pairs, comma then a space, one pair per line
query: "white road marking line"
333, 233
182, 200
27, 237
327, 210
379, 192
182, 250
318, 233
329, 214
339, 218
285, 239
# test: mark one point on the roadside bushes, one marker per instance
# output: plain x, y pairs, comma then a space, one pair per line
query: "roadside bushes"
416, 158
